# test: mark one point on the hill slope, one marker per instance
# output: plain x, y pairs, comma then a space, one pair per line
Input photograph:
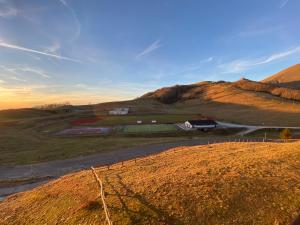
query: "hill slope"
231, 183
202, 90
289, 77
243, 101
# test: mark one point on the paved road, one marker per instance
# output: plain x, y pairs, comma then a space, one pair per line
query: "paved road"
251, 128
58, 168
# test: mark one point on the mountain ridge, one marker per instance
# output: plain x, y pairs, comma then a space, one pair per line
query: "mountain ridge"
289, 77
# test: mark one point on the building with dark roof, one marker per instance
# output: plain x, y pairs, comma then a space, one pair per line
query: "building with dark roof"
201, 124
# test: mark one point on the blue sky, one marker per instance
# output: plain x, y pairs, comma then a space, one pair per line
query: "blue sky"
89, 51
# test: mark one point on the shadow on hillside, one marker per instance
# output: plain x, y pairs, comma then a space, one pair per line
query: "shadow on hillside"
196, 101
137, 208
244, 114
297, 221
292, 84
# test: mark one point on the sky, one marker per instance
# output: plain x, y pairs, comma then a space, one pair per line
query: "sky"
92, 51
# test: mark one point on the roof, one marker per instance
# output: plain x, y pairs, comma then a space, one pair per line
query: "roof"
202, 122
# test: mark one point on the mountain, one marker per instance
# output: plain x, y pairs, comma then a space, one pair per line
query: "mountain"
243, 101
229, 183
207, 91
289, 77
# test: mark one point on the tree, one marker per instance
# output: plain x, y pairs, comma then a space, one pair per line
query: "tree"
285, 134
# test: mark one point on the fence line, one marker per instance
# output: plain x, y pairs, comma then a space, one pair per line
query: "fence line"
209, 142
100, 184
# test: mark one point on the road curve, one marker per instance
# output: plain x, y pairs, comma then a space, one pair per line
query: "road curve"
57, 168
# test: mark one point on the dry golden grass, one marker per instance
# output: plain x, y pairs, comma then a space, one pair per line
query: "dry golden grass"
276, 90
224, 101
289, 77
231, 183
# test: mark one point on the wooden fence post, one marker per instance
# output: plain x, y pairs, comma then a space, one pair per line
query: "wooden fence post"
99, 182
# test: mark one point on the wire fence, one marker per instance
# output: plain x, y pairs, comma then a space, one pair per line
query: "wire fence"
100, 184
120, 162
166, 153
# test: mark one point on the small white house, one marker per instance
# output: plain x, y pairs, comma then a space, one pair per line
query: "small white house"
153, 121
139, 121
200, 124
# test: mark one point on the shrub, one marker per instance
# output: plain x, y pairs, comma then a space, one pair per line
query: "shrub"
285, 134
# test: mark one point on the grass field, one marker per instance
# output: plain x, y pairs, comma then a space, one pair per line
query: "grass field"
150, 128
273, 133
132, 119
228, 184
31, 139
25, 145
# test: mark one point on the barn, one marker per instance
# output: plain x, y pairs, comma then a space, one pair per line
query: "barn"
201, 124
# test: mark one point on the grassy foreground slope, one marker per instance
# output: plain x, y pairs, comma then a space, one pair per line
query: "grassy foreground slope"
231, 183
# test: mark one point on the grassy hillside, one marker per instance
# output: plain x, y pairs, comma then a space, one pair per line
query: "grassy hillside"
284, 92
231, 183
289, 77
226, 101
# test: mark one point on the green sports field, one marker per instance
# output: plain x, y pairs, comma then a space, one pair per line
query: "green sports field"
150, 128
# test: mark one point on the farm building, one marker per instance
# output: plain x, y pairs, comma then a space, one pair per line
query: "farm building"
119, 111
200, 124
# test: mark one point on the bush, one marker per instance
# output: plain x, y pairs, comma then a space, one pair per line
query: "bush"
285, 134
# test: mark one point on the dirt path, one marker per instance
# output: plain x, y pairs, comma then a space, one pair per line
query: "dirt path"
58, 168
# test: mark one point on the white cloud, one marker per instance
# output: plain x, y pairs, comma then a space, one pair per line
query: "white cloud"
240, 65
252, 32
280, 55
78, 24
196, 66
236, 66
53, 48
7, 11
35, 71
283, 3
20, 48
19, 71
154, 46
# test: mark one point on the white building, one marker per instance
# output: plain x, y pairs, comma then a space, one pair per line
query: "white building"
119, 111
200, 124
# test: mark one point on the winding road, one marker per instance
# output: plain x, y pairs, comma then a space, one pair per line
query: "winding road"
54, 169
251, 128
46, 171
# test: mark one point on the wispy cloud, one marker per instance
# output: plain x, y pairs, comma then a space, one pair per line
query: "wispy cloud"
280, 55
34, 71
195, 66
21, 48
13, 74
78, 24
7, 11
154, 46
283, 3
258, 31
240, 65
54, 48
20, 70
